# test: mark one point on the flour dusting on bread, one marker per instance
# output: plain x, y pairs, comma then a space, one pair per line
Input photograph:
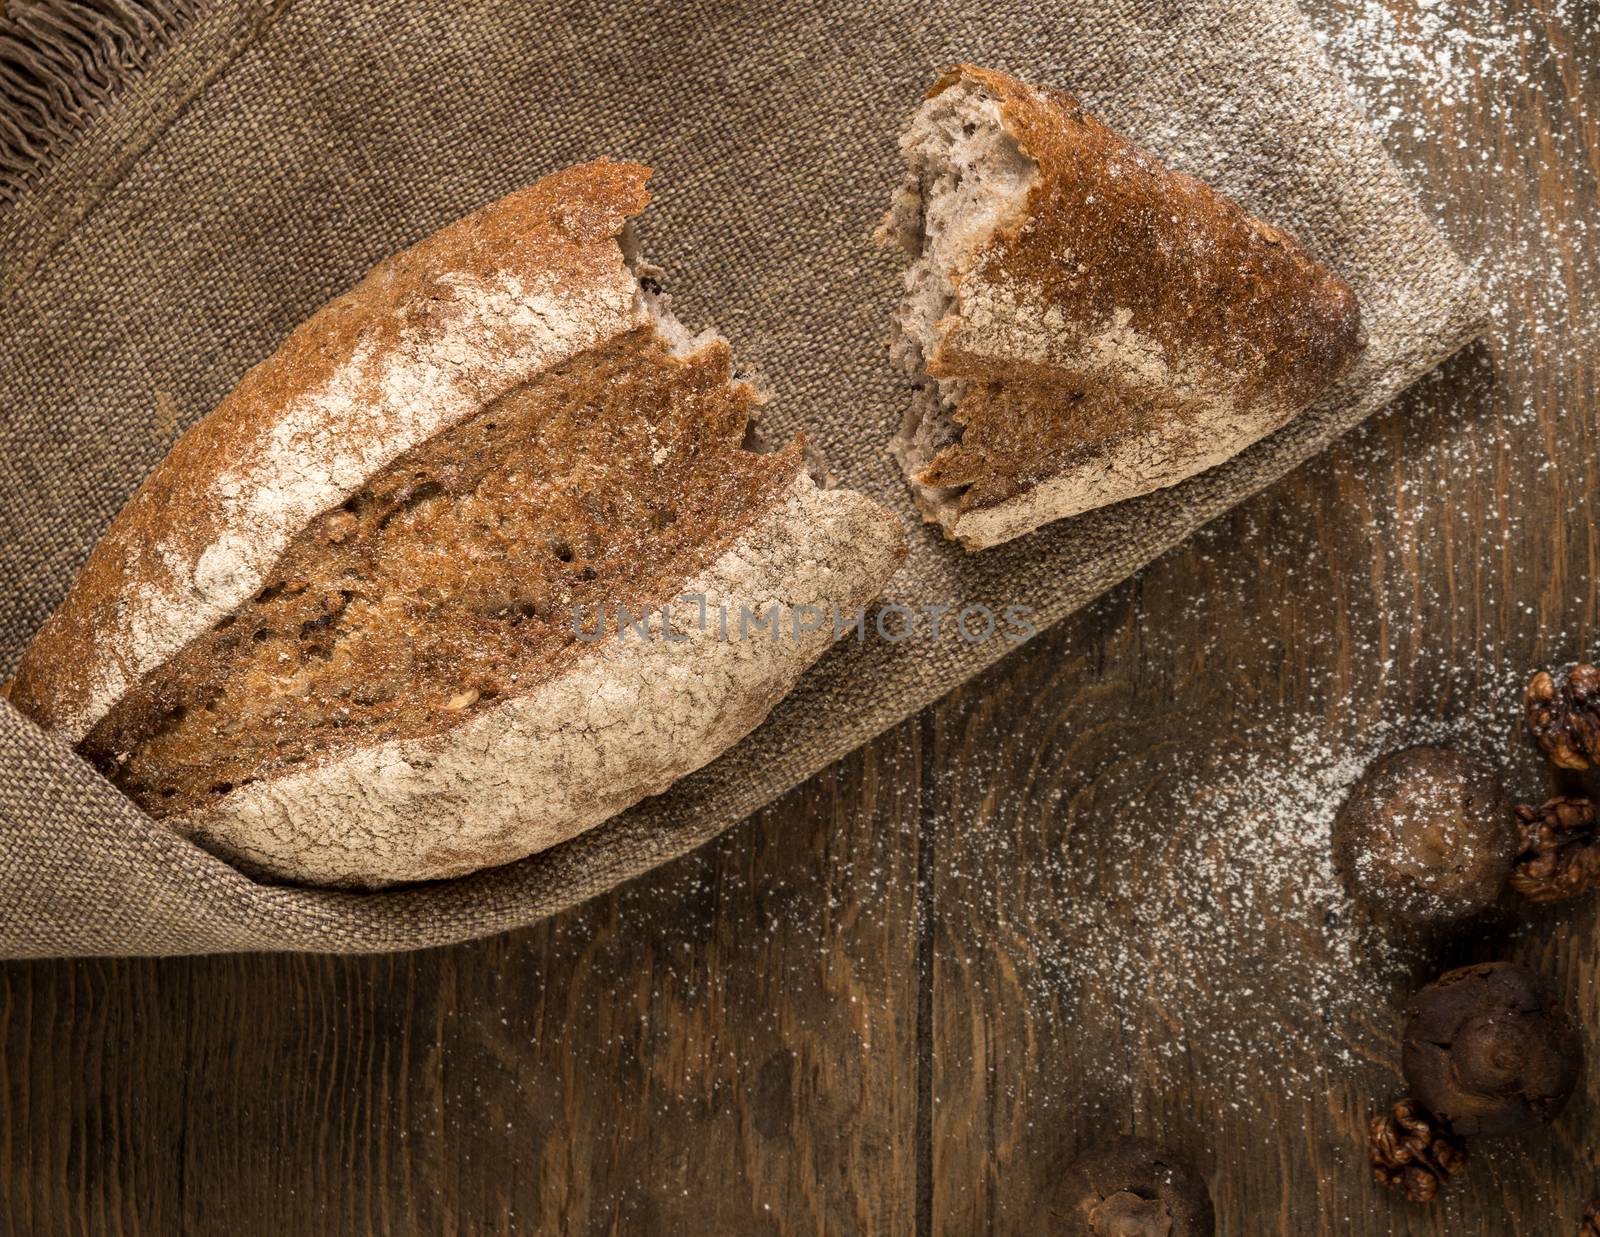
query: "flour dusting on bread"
336, 635
480, 337
535, 769
1080, 324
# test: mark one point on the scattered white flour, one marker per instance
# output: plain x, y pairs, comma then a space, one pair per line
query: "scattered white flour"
1235, 952
1444, 77
1220, 934
1444, 51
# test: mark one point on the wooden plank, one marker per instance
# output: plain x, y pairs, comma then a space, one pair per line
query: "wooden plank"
727, 1046
1116, 948
901, 999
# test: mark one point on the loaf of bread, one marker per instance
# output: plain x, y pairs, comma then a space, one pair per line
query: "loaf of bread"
1081, 324
341, 634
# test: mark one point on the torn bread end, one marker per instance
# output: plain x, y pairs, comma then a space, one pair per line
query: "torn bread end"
966, 178
656, 301
1120, 326
652, 298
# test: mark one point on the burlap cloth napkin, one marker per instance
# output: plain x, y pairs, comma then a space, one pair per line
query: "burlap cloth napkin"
188, 181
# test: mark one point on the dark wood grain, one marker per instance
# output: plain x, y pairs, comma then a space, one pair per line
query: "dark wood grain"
865, 1011
1416, 572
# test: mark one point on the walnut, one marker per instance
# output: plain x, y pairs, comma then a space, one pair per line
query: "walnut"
1560, 854
1566, 719
1413, 1152
1591, 1220
1488, 1051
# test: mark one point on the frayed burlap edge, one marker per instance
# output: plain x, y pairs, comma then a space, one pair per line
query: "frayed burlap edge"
63, 63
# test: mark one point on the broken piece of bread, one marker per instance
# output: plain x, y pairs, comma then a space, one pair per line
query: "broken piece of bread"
1083, 325
337, 635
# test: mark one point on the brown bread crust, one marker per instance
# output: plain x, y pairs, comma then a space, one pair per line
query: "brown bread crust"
330, 638
625, 720
1132, 329
201, 532
451, 579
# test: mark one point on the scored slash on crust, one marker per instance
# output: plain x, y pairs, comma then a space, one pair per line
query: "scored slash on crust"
326, 638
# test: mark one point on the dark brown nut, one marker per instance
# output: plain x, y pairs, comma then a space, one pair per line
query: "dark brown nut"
1560, 854
1565, 718
1488, 1052
1413, 1152
1133, 1188
1426, 835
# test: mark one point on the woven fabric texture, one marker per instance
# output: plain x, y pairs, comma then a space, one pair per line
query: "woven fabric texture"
265, 157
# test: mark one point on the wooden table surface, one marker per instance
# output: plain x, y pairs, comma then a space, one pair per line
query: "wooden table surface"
880, 1006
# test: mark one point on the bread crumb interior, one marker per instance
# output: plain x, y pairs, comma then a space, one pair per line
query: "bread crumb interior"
964, 177
450, 580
